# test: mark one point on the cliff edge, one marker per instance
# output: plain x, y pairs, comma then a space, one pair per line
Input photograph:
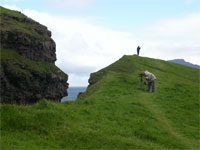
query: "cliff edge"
28, 71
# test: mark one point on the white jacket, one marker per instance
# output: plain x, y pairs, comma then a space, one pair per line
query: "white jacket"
149, 76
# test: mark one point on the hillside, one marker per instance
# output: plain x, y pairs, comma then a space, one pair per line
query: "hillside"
114, 113
28, 71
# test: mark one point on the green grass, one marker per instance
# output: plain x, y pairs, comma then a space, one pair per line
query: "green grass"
114, 113
11, 12
20, 64
10, 24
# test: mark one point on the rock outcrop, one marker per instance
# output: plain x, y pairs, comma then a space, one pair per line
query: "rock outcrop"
29, 46
28, 71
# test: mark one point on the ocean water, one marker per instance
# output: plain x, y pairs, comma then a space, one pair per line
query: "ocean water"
73, 93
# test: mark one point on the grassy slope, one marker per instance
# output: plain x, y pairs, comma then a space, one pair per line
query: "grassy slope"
114, 113
29, 26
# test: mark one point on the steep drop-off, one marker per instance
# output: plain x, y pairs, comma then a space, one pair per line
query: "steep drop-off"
28, 71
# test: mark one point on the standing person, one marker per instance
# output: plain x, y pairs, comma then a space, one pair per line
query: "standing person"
138, 50
150, 77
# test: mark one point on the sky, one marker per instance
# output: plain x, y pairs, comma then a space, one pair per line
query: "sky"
92, 34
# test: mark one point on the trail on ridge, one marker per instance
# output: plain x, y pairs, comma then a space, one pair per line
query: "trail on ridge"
161, 117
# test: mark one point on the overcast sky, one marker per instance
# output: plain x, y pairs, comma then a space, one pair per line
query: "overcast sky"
91, 34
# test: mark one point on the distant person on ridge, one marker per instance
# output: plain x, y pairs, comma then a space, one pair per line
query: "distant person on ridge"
150, 77
138, 50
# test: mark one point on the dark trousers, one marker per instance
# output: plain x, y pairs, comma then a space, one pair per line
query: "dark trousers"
138, 51
151, 84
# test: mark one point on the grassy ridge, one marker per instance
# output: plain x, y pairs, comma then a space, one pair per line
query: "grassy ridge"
114, 113
9, 21
12, 13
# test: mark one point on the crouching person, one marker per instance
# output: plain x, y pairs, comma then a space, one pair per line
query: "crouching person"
150, 77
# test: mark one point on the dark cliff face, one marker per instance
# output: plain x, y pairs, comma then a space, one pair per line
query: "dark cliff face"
28, 71
29, 46
27, 37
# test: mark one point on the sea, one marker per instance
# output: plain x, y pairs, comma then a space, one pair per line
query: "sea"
73, 93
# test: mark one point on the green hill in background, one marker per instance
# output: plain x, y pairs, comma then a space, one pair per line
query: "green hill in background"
115, 112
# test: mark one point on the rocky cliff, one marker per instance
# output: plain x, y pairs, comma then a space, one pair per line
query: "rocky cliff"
28, 71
